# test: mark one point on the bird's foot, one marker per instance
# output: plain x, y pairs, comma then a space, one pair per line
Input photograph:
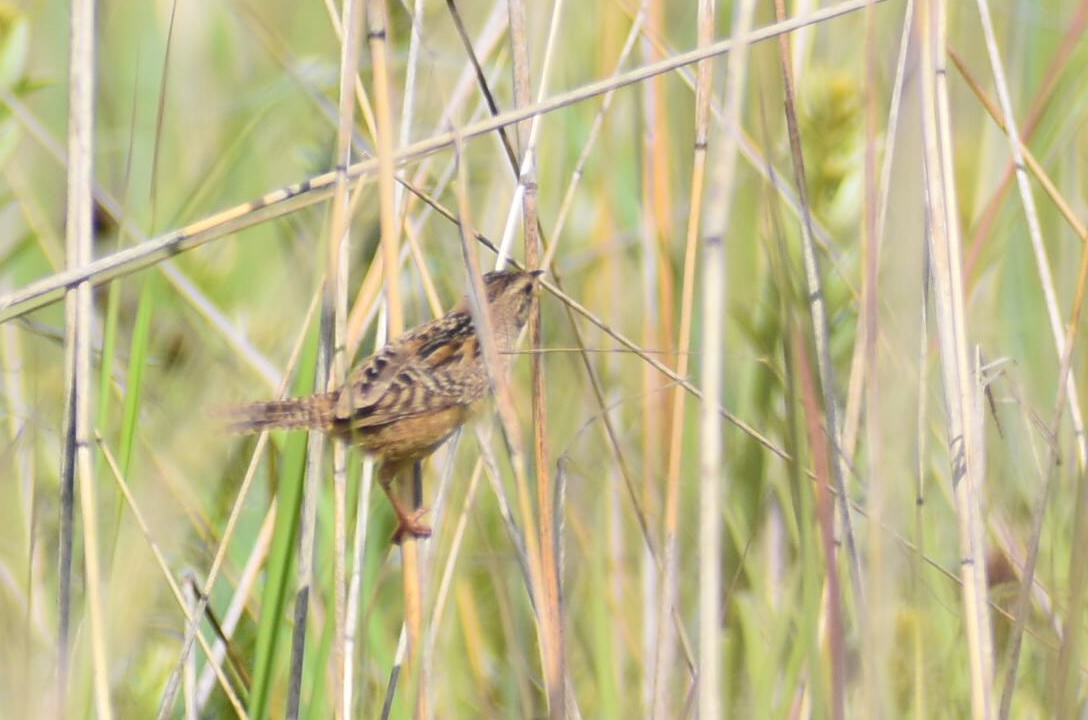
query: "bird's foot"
410, 525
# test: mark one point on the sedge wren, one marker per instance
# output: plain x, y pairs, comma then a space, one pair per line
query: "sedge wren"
401, 403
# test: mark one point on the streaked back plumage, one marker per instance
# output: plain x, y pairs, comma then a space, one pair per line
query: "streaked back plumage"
428, 370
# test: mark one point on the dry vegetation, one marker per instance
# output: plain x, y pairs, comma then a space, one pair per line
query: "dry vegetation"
769, 452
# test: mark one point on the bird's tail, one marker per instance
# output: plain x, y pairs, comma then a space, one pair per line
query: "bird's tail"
313, 412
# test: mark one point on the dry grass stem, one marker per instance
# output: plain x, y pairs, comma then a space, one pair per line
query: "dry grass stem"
778, 442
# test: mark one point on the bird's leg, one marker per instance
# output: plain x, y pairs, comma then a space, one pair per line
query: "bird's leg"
417, 484
409, 523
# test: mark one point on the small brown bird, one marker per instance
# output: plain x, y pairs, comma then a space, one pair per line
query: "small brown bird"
403, 402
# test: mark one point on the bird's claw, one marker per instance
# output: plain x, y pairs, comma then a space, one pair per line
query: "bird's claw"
410, 525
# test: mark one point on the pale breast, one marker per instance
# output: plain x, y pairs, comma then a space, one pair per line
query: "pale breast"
409, 438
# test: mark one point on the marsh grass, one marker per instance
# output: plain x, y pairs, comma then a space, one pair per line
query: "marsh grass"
649, 521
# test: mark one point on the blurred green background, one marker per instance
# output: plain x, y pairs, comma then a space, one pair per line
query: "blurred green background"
204, 106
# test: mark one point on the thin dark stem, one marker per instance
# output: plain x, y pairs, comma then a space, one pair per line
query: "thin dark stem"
67, 501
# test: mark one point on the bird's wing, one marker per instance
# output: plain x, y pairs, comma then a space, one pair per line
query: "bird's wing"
422, 371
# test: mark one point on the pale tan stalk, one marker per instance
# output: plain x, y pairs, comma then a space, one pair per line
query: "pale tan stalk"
355, 580
80, 317
393, 210
714, 483
918, 589
659, 582
709, 675
880, 472
711, 477
378, 28
334, 311
965, 452
548, 611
